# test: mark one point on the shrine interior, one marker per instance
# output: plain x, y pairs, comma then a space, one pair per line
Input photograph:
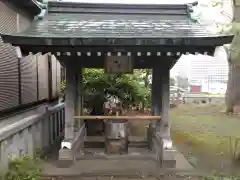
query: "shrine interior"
127, 137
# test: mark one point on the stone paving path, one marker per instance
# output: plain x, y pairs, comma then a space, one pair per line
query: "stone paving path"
101, 166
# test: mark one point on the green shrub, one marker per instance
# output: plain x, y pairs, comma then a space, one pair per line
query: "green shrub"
63, 86
24, 168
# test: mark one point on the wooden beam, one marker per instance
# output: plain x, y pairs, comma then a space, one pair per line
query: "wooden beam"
145, 118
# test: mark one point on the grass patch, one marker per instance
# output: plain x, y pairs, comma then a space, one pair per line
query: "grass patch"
204, 127
23, 168
199, 145
206, 132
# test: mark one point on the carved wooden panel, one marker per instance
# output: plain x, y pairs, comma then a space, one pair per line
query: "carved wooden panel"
118, 64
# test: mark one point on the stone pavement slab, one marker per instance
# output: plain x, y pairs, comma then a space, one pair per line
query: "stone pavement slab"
112, 165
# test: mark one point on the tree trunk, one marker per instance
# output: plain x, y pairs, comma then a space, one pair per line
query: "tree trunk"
233, 87
229, 98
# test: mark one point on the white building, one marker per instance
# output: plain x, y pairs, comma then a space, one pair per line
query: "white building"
210, 72
182, 67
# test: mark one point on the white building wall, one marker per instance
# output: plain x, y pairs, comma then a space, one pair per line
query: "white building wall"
210, 71
182, 67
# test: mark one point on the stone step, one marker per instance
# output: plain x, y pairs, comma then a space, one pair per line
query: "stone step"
138, 144
101, 144
94, 144
129, 156
138, 163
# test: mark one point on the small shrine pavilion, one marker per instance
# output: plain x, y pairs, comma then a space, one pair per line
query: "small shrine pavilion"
119, 38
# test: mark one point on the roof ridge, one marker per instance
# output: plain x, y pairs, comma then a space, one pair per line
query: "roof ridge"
72, 4
108, 8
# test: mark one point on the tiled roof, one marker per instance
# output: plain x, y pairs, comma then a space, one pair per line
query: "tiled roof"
114, 25
74, 21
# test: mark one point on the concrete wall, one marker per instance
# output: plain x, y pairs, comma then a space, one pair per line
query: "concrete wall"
37, 130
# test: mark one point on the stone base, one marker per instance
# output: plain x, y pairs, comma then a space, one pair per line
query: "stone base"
66, 158
116, 146
70, 148
168, 164
150, 136
165, 152
168, 158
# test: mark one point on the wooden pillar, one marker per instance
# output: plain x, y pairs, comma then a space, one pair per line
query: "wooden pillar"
79, 124
79, 98
73, 139
156, 92
156, 102
161, 140
70, 97
164, 125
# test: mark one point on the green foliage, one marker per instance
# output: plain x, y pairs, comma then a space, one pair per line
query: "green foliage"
127, 88
130, 89
63, 86
24, 168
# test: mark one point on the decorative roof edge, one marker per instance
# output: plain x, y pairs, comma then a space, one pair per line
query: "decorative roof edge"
217, 40
190, 11
43, 11
31, 7
191, 5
